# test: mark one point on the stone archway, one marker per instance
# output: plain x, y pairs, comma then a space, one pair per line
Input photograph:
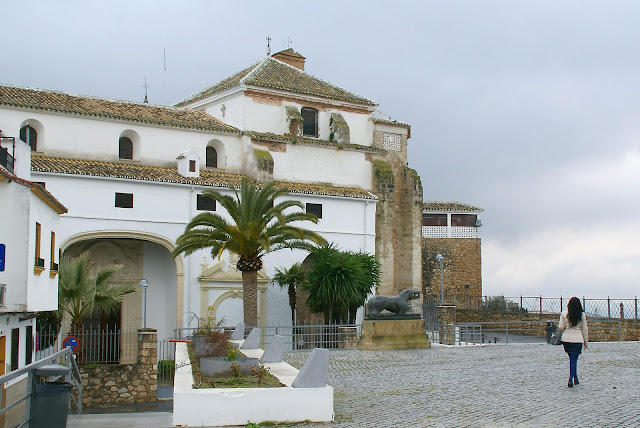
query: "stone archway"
129, 258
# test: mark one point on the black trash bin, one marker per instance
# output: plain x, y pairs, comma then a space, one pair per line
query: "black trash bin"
551, 328
51, 401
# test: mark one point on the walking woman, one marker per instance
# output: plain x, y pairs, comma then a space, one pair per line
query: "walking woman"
573, 326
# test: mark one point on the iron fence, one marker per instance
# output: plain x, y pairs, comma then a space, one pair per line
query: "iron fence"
95, 344
299, 337
594, 308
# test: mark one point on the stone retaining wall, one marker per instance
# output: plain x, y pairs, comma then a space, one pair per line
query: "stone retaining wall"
600, 329
111, 384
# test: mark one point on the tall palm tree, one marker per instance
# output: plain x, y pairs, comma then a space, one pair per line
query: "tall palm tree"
290, 279
258, 226
80, 294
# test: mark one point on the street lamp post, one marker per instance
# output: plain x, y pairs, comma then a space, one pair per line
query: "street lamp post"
144, 284
440, 259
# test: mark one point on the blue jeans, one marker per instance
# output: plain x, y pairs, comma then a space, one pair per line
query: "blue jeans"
573, 367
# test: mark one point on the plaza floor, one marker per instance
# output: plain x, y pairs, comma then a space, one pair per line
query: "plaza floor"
523, 385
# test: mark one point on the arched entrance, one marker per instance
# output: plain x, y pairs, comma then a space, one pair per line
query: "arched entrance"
142, 255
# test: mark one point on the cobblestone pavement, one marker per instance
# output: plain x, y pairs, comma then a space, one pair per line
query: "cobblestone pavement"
484, 386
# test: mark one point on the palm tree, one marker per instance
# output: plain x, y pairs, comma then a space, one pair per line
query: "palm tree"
291, 278
258, 226
80, 294
339, 282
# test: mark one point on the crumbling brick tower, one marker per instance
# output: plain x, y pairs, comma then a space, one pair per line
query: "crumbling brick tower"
399, 210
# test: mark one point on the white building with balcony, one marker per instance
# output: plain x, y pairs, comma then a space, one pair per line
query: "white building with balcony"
29, 254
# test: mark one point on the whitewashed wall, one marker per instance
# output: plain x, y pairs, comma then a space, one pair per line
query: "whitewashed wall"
309, 164
79, 136
164, 209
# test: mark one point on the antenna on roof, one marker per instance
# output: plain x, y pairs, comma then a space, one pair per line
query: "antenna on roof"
145, 86
289, 42
268, 45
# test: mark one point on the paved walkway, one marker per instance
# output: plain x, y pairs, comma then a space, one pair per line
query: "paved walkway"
483, 386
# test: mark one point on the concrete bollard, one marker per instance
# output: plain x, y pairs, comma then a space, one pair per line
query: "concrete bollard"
315, 370
273, 354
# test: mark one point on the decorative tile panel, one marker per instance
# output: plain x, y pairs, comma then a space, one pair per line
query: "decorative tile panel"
391, 141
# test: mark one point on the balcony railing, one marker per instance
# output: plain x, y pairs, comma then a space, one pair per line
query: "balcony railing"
39, 262
443, 232
54, 267
6, 160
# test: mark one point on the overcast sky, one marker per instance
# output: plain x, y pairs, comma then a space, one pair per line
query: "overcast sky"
527, 109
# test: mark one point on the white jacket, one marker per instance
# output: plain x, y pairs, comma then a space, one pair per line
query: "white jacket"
573, 334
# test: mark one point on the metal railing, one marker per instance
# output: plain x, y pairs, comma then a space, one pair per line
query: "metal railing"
594, 308
65, 356
6, 160
299, 337
96, 344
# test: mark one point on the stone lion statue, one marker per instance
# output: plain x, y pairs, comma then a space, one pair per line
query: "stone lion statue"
398, 305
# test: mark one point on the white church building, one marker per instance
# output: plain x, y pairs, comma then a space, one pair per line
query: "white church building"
131, 176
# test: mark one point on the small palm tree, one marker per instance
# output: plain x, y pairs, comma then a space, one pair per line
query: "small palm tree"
290, 279
339, 282
80, 294
258, 226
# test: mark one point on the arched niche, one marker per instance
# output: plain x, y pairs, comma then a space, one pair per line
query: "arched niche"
134, 138
220, 154
26, 132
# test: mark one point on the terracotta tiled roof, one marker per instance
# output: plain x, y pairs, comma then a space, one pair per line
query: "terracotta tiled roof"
39, 99
449, 206
36, 188
266, 136
211, 178
274, 74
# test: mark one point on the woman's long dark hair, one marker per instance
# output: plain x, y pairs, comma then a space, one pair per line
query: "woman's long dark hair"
575, 311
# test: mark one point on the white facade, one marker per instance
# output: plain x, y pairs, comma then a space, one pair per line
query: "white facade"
77, 156
29, 234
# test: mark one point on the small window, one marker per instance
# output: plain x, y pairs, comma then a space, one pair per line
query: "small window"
205, 203
434, 219
466, 220
212, 157
125, 150
29, 135
310, 124
15, 348
315, 209
192, 166
54, 265
28, 345
38, 262
124, 200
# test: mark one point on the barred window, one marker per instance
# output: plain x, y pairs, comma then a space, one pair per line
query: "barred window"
124, 200
205, 203
212, 157
314, 209
310, 124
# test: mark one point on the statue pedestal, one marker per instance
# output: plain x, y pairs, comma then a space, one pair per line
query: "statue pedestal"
393, 334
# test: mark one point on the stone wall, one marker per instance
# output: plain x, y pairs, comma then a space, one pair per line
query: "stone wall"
112, 384
600, 329
462, 265
398, 219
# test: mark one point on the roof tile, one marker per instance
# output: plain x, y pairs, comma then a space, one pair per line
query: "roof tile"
274, 74
212, 178
39, 99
